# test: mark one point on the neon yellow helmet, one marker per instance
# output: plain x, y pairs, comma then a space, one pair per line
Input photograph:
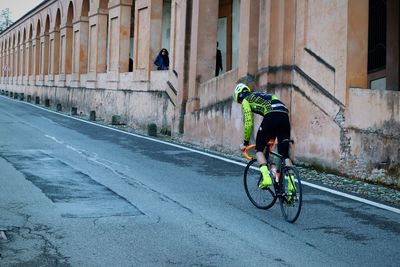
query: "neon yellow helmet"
239, 90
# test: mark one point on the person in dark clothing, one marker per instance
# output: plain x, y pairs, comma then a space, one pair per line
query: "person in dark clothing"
162, 60
218, 66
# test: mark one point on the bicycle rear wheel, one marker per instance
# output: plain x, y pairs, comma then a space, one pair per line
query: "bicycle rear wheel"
261, 198
291, 198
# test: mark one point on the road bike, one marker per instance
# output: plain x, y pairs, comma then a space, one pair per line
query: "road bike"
286, 184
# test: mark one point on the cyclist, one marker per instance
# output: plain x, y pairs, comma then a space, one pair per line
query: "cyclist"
274, 125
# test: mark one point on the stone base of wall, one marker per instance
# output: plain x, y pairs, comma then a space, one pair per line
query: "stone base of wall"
136, 108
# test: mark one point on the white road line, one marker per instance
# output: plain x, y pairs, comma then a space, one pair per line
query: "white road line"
359, 199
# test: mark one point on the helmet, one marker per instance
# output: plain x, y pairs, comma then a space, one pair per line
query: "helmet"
239, 90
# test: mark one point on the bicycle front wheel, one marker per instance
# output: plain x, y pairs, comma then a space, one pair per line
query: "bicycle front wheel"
291, 197
261, 198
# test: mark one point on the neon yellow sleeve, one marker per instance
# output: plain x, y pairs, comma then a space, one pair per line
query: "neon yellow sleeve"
248, 120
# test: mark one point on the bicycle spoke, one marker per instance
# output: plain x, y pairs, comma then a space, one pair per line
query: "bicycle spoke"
261, 198
291, 199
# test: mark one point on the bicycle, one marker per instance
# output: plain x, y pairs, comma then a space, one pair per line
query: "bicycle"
286, 184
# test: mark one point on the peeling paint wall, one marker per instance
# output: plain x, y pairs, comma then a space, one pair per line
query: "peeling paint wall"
373, 123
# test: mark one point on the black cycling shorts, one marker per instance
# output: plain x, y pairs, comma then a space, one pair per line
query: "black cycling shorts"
274, 125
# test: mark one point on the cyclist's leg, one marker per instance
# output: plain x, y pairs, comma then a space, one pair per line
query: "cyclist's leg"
264, 134
283, 148
283, 132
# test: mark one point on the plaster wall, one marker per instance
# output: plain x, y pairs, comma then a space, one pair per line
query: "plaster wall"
136, 107
373, 123
321, 46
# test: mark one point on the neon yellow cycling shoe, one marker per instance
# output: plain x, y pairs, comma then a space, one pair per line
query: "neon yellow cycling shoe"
291, 188
267, 181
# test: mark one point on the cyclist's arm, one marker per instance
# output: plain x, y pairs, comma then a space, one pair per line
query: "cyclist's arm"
248, 121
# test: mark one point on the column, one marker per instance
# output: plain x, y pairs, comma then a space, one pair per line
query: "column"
97, 48
22, 61
46, 53
8, 65
357, 46
248, 47
16, 62
36, 56
54, 60
392, 46
181, 27
202, 53
80, 43
1, 63
11, 64
148, 33
66, 34
28, 62
118, 37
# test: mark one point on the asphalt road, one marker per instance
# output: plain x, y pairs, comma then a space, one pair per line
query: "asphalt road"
77, 194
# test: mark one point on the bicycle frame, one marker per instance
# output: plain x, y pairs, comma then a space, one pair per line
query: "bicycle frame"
286, 185
282, 163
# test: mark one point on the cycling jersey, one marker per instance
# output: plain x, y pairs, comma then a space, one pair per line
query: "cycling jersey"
262, 104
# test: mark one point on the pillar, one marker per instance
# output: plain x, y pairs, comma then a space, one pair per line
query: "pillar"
44, 42
20, 59
357, 45
203, 50
97, 50
66, 34
148, 33
248, 47
54, 61
1, 64
392, 46
80, 43
16, 61
8, 64
180, 50
118, 37
28, 52
36, 56
11, 63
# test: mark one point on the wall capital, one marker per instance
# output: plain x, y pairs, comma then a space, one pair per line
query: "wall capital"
80, 19
98, 12
116, 3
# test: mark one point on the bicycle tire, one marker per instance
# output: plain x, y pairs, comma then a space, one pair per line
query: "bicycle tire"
290, 203
261, 198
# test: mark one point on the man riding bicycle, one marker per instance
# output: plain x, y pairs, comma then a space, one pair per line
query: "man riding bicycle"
274, 125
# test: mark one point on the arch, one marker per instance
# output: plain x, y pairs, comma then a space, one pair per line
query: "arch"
30, 34
48, 15
47, 24
57, 23
18, 56
85, 8
38, 26
55, 45
46, 50
66, 42
103, 4
29, 53
12, 56
37, 49
98, 37
70, 13
23, 53
80, 49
